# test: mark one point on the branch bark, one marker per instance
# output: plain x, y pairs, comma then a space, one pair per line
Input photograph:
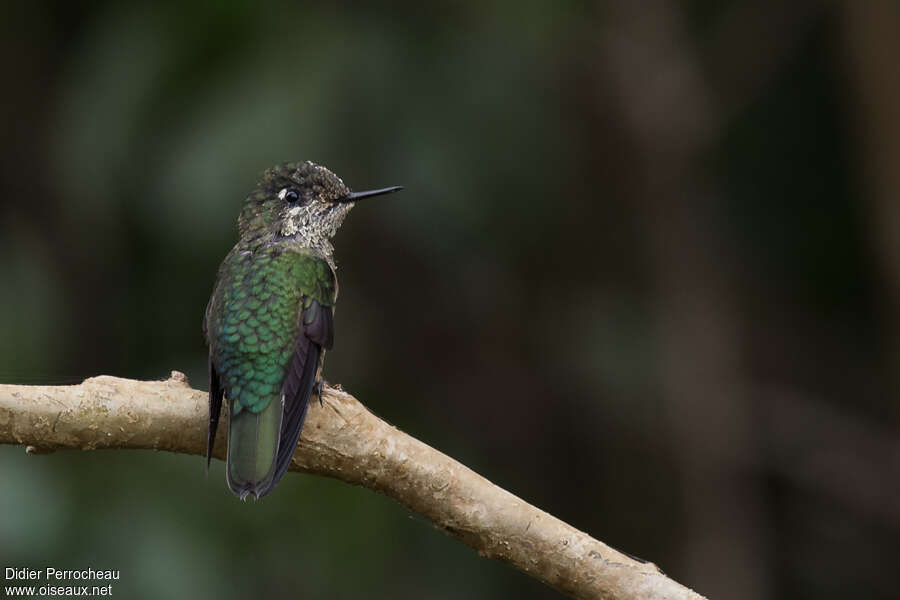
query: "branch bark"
341, 439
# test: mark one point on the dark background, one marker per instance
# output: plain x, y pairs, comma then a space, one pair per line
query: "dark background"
645, 274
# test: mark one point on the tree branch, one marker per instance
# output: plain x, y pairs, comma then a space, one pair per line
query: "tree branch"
341, 439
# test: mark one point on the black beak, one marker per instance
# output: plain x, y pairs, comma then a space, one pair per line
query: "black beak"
353, 197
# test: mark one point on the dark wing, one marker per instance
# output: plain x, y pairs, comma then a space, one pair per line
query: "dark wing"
318, 324
216, 393
317, 332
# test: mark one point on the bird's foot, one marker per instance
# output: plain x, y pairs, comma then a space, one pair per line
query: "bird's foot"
320, 387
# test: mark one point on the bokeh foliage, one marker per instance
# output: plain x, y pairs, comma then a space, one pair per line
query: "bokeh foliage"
503, 308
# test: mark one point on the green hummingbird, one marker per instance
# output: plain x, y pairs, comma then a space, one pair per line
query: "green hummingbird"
270, 319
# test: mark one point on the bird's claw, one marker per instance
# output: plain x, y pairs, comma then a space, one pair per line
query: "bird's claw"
320, 387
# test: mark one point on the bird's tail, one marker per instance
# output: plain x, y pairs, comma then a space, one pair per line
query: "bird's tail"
252, 448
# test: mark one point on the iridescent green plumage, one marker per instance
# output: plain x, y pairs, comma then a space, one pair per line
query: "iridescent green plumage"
254, 319
269, 320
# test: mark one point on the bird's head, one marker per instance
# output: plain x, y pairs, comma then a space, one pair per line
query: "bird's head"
302, 201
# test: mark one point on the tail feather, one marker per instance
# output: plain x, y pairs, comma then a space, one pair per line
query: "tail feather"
252, 449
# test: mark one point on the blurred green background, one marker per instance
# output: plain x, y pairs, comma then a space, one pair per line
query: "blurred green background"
644, 274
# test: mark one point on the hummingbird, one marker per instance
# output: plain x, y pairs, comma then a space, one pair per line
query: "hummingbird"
270, 319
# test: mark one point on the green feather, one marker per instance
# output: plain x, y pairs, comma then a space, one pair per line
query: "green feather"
252, 340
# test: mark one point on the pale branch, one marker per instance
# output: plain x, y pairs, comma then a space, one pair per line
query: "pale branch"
341, 439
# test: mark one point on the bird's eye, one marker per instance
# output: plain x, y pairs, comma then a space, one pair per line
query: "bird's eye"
289, 195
